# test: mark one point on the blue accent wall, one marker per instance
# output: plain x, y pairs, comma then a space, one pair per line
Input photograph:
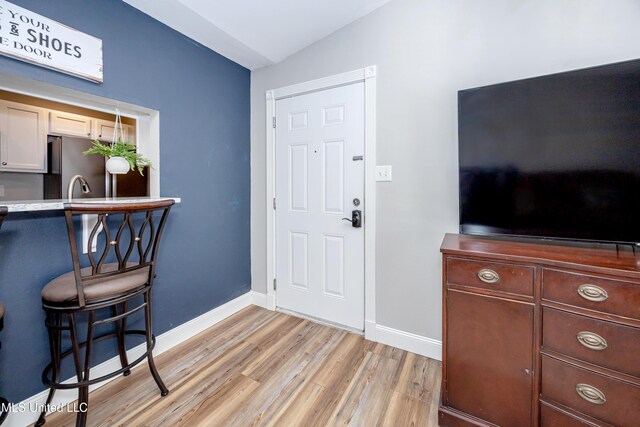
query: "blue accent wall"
203, 99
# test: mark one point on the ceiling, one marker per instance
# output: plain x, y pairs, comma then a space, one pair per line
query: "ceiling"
256, 33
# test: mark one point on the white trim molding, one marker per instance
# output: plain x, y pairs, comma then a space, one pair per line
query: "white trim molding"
368, 76
370, 197
418, 344
164, 342
259, 299
324, 83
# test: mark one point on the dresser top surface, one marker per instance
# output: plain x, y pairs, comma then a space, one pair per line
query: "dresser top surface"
602, 258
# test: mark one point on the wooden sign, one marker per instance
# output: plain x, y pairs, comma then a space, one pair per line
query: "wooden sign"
33, 38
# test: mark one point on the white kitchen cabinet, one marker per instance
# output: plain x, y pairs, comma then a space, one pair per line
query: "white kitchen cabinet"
105, 128
67, 124
23, 138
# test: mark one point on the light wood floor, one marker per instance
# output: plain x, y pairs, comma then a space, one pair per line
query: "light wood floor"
262, 368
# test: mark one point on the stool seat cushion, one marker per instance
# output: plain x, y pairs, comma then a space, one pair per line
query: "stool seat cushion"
63, 289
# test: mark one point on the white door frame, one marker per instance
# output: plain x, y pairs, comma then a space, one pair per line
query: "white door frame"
368, 76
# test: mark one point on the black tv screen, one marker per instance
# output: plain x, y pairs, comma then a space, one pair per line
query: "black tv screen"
556, 156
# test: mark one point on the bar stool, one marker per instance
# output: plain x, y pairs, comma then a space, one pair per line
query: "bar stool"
3, 402
122, 269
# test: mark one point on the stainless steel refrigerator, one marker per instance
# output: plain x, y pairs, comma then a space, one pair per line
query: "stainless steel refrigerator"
65, 159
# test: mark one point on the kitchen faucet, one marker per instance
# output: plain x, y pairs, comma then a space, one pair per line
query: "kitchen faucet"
88, 221
84, 186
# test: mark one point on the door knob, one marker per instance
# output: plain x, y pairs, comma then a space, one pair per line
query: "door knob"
356, 218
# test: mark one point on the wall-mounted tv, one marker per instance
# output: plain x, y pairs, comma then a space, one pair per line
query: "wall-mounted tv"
556, 156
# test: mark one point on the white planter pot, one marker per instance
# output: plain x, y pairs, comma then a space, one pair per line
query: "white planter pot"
117, 165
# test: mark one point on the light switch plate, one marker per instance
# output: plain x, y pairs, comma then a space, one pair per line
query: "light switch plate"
383, 173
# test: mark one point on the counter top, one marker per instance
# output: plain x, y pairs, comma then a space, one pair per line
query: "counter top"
58, 204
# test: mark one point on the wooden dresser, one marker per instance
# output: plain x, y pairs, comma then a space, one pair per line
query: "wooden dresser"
539, 334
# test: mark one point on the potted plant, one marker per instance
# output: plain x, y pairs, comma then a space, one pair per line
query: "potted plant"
122, 156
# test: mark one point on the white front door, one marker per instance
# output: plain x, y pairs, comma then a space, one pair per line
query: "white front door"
320, 181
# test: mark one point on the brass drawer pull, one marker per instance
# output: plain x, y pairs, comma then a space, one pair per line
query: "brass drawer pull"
590, 394
591, 341
488, 276
592, 293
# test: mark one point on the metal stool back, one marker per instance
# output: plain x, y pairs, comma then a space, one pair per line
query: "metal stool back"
122, 269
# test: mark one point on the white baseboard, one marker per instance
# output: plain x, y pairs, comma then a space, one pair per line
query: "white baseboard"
259, 299
263, 300
407, 341
164, 342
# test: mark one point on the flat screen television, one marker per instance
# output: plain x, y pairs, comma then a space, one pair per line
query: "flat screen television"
556, 156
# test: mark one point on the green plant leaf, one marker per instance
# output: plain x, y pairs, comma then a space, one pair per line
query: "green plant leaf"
127, 150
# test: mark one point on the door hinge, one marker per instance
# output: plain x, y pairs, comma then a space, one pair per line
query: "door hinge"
274, 121
274, 203
275, 283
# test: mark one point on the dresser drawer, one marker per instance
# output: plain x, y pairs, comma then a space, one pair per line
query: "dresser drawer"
603, 398
498, 277
552, 417
599, 342
593, 293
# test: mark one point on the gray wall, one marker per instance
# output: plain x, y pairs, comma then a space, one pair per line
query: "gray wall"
426, 50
